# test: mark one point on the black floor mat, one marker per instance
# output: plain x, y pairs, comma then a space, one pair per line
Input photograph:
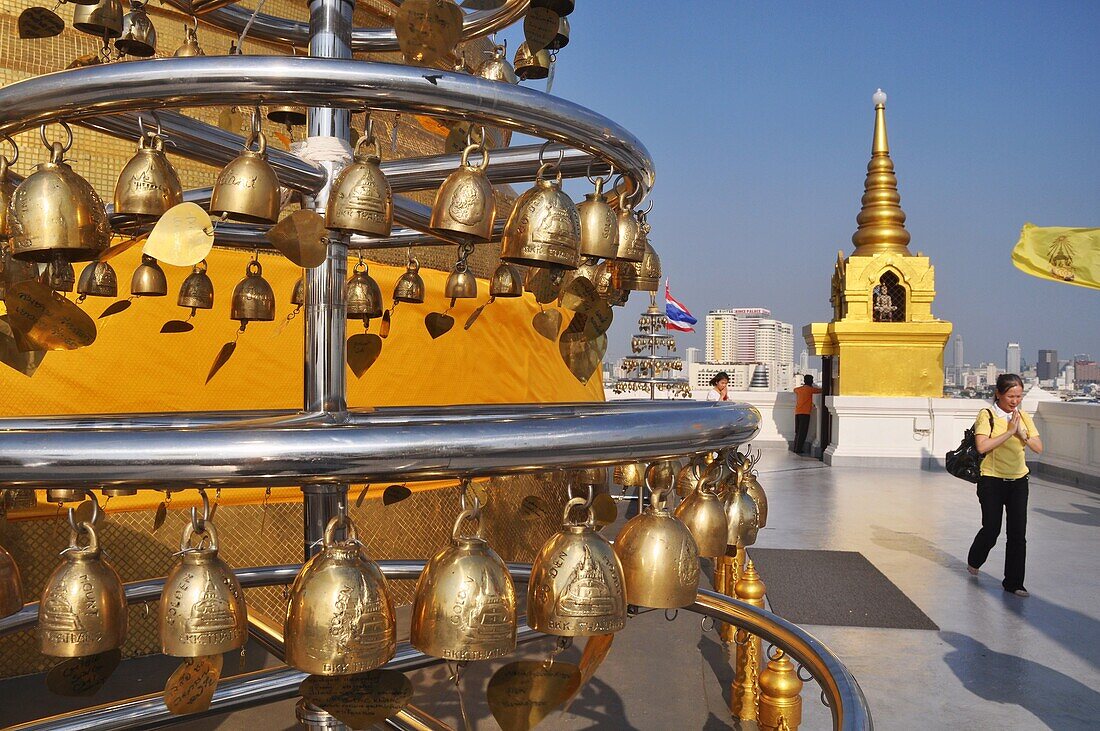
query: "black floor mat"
839, 588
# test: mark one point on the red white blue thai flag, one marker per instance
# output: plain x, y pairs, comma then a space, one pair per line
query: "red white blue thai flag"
679, 317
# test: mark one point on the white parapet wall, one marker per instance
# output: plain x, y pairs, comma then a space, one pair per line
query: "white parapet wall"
1071, 442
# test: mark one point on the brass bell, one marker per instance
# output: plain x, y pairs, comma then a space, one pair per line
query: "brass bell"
54, 212
247, 188
102, 20
743, 518
543, 229
576, 587
148, 185
253, 298
561, 40
202, 610
660, 558
148, 279
361, 200
60, 275
497, 68
190, 47
660, 476
561, 7
83, 607
197, 290
7, 190
288, 116
298, 296
631, 474
65, 495
631, 245
139, 37
641, 276
119, 491
461, 284
691, 475
464, 205
364, 297
599, 225
340, 618
11, 585
531, 66
506, 282
410, 285
704, 515
756, 492
98, 279
465, 603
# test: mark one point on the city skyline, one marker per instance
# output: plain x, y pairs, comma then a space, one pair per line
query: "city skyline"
758, 188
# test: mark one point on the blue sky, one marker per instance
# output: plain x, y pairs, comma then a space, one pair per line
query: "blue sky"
759, 118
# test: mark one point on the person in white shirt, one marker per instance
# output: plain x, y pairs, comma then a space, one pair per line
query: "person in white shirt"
720, 385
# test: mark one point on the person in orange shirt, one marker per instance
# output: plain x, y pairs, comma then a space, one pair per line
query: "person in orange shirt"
803, 405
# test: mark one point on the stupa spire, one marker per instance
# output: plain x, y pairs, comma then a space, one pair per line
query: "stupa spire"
881, 220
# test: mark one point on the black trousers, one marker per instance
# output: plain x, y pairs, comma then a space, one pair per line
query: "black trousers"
801, 428
1010, 497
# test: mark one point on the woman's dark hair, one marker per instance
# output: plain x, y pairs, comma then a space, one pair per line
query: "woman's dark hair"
718, 377
1006, 381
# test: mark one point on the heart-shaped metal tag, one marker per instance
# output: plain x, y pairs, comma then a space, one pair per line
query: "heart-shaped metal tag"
13, 356
363, 350
182, 237
82, 676
582, 356
45, 319
579, 295
540, 26
360, 700
191, 687
395, 494
523, 693
544, 283
39, 23
300, 237
547, 324
438, 323
473, 317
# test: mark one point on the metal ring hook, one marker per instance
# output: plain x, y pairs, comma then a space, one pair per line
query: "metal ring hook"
14, 147
675, 614
598, 180
703, 624
68, 131
542, 153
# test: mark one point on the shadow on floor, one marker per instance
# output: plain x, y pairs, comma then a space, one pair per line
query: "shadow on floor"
1089, 515
1056, 699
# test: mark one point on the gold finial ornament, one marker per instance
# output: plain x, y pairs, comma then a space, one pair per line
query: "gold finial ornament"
660, 559
361, 200
340, 619
780, 694
202, 610
464, 205
253, 298
881, 220
98, 279
55, 212
148, 185
11, 585
465, 602
83, 606
576, 587
247, 188
745, 690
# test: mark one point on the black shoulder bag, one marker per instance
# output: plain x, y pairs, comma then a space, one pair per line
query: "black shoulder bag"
965, 462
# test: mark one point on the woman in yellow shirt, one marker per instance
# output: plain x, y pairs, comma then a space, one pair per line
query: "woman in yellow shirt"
1001, 434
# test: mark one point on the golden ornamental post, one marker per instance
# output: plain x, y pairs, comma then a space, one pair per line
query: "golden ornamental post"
780, 695
745, 690
726, 574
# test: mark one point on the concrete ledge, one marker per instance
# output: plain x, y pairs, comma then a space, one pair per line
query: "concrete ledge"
1066, 476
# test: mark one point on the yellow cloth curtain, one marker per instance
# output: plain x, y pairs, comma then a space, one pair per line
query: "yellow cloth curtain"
132, 367
1060, 254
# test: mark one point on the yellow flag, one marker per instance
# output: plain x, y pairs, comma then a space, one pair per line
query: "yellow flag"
1070, 255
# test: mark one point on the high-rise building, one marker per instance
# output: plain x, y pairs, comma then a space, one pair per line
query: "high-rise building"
957, 358
748, 335
804, 362
1012, 358
1047, 367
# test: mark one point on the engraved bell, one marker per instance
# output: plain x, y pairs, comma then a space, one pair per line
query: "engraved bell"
689, 477
7, 190
60, 275
461, 284
139, 37
148, 279
253, 298
561, 40
104, 19
54, 211
340, 618
464, 205
660, 559
410, 285
190, 47
497, 68
83, 607
631, 244
576, 587
363, 295
531, 66
705, 516
298, 296
631, 474
506, 282
202, 610
247, 188
599, 225
756, 492
197, 291
11, 586
641, 276
361, 200
148, 185
743, 517
465, 602
98, 279
543, 229
288, 116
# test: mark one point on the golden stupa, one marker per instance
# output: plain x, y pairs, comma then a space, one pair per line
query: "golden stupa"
883, 338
